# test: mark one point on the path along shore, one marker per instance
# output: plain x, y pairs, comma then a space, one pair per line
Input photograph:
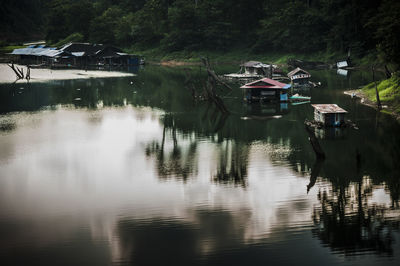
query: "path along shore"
364, 100
7, 75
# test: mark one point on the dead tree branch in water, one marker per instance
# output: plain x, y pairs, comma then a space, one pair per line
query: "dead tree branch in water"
18, 72
210, 87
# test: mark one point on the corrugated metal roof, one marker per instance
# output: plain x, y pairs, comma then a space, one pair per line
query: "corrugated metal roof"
297, 70
49, 52
71, 49
328, 108
256, 64
28, 51
268, 83
342, 64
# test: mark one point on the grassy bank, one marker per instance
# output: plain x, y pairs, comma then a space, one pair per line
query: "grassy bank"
235, 56
9, 48
389, 93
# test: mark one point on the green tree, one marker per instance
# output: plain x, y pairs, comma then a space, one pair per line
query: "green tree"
103, 28
386, 28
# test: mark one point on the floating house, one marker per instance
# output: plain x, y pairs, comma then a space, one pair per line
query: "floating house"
329, 115
75, 54
266, 90
255, 68
299, 77
98, 54
342, 64
39, 54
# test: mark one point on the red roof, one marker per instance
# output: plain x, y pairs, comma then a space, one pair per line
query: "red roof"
266, 83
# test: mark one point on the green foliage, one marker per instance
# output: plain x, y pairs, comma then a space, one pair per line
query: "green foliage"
264, 26
389, 91
102, 28
386, 28
9, 49
74, 37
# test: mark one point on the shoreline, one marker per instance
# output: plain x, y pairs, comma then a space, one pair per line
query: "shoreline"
8, 76
358, 93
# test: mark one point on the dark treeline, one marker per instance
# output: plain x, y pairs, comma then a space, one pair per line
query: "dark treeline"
302, 26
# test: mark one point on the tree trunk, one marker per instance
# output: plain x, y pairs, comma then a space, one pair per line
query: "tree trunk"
378, 101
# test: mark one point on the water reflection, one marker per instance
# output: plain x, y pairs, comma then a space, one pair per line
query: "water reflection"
352, 221
173, 161
232, 163
113, 171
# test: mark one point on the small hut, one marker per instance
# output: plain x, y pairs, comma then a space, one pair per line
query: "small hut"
299, 77
256, 68
266, 90
329, 114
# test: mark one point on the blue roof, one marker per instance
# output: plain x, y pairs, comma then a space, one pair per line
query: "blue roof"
49, 52
287, 86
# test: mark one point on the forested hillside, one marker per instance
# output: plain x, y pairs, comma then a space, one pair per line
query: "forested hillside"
304, 26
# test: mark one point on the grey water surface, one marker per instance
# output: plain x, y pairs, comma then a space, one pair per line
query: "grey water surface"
132, 171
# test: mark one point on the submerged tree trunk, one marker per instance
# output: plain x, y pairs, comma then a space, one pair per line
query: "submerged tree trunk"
210, 87
315, 144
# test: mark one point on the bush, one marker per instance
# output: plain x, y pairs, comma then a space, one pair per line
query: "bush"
74, 37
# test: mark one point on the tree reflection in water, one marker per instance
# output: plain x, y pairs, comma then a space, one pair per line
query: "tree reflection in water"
232, 163
349, 221
172, 163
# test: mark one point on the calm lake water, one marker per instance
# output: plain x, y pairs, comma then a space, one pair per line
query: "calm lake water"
131, 171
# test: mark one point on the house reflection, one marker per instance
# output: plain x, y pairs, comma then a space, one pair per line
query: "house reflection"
331, 133
264, 111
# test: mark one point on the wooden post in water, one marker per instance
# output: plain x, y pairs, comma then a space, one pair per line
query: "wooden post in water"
28, 73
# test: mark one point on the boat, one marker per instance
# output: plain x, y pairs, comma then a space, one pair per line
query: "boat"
297, 97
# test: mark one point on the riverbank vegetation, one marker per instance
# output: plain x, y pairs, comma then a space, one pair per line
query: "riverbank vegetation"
180, 28
389, 93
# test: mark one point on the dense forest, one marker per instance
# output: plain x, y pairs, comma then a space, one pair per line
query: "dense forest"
302, 26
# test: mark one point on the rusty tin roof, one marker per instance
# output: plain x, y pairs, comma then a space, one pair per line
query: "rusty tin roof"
328, 108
